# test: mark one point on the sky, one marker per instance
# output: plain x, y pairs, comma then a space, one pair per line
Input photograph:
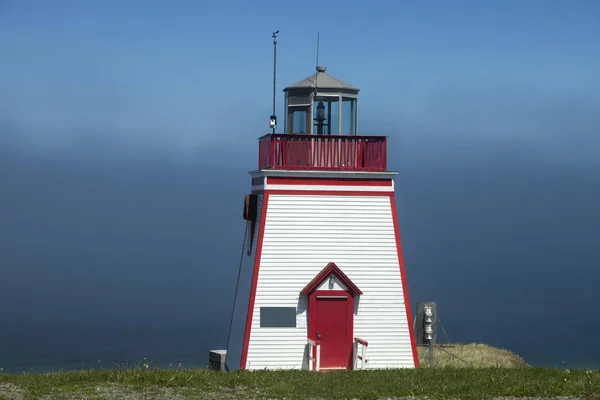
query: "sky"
127, 130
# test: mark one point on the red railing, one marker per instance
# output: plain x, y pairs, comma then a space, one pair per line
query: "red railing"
322, 152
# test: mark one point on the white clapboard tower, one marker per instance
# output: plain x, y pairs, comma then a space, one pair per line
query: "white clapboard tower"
322, 283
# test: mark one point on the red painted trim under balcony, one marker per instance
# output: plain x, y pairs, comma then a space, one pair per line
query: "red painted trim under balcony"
322, 152
276, 180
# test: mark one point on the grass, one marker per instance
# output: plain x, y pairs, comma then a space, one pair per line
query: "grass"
470, 356
444, 381
456, 383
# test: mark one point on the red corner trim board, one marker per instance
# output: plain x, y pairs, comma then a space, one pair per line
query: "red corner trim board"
404, 282
259, 245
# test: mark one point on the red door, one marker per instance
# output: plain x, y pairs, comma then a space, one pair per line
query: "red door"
332, 329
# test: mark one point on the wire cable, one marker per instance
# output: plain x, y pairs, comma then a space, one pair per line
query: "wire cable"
237, 285
444, 330
453, 355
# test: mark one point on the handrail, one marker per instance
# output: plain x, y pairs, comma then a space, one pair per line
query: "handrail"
305, 135
362, 357
314, 362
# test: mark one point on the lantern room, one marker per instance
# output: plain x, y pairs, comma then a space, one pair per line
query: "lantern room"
322, 105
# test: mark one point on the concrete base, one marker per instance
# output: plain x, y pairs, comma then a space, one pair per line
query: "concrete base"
216, 359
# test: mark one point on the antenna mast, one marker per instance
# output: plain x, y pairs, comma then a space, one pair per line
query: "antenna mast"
318, 39
273, 120
316, 66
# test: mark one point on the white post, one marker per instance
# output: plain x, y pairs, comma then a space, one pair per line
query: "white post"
363, 352
318, 356
310, 357
364, 357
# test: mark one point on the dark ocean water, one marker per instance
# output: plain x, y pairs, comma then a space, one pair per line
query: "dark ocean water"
114, 260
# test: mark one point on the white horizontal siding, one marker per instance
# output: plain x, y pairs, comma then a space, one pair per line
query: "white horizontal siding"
302, 234
240, 311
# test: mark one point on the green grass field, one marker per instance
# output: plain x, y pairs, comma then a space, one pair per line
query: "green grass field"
475, 381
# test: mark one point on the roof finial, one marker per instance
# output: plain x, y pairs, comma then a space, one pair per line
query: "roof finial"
321, 68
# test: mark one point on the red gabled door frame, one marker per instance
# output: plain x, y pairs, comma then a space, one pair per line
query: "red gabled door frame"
312, 318
311, 290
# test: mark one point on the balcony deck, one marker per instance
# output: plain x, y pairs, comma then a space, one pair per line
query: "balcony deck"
322, 152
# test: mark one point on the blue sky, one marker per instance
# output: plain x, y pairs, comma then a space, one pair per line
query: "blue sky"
127, 129
176, 76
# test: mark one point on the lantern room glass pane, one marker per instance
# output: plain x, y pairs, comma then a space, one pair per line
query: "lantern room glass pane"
348, 116
299, 121
334, 116
329, 120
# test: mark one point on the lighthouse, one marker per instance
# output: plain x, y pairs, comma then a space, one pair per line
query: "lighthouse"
322, 284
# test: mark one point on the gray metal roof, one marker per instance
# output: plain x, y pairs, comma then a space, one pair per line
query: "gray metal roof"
323, 81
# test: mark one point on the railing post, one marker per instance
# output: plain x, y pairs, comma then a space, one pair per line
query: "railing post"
384, 156
363, 352
314, 362
310, 358
318, 356
273, 156
364, 357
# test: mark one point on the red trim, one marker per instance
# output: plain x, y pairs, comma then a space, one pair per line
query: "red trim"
404, 282
275, 180
330, 192
323, 137
329, 269
361, 341
312, 316
261, 234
